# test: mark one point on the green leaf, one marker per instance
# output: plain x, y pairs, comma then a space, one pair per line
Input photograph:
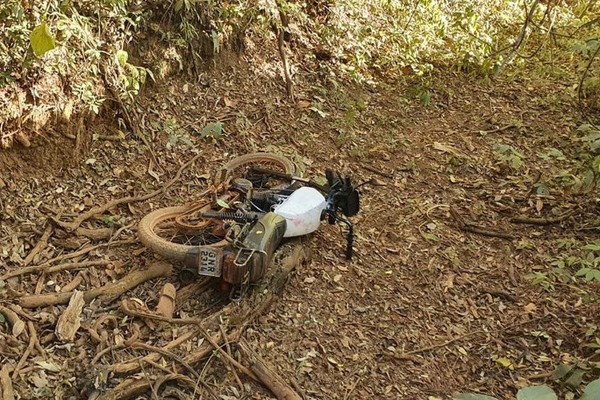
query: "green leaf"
472, 396
214, 129
178, 5
536, 393
41, 40
122, 56
561, 371
596, 165
430, 236
575, 380
592, 391
49, 366
222, 203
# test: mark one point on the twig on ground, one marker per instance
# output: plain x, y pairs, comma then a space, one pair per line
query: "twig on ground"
6, 387
377, 171
32, 342
131, 365
95, 234
73, 284
496, 130
351, 389
267, 375
71, 226
42, 267
230, 359
542, 221
118, 232
228, 347
473, 228
167, 353
41, 245
498, 293
150, 385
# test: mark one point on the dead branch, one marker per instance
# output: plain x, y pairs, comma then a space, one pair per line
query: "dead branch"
43, 267
95, 234
473, 228
32, 342
16, 324
230, 359
228, 348
377, 171
267, 375
72, 226
41, 245
280, 33
6, 387
496, 130
132, 387
166, 302
73, 284
132, 365
542, 221
516, 45
584, 76
186, 292
167, 353
109, 291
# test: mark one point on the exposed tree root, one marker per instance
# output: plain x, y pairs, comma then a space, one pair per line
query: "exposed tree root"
72, 226
46, 267
41, 245
267, 375
236, 316
108, 292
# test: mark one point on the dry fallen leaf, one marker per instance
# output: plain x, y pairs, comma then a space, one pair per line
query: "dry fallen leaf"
529, 308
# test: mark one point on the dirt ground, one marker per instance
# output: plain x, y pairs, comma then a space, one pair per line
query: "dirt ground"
426, 308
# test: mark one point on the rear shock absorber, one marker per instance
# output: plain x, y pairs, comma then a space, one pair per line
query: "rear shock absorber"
232, 215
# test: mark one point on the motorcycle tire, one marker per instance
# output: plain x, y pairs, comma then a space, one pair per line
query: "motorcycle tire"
158, 231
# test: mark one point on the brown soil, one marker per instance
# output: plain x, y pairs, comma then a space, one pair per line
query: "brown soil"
424, 309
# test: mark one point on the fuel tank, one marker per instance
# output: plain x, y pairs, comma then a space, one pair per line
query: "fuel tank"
302, 211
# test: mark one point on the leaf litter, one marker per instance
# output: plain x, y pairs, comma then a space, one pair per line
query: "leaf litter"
426, 309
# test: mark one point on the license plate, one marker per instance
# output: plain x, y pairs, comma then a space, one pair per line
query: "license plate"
209, 261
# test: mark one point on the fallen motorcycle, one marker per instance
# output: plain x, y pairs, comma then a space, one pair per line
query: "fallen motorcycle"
254, 203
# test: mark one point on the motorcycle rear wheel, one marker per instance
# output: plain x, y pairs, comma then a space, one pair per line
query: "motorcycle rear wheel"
160, 231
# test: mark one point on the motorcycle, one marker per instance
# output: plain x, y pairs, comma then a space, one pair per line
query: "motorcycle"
256, 201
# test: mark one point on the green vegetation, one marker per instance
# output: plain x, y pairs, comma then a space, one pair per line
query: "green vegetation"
74, 49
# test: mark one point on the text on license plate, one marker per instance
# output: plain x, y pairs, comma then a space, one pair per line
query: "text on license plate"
209, 260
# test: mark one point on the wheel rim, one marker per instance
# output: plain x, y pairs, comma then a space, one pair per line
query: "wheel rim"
209, 232
259, 180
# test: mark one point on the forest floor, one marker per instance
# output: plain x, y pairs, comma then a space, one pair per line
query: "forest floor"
426, 309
